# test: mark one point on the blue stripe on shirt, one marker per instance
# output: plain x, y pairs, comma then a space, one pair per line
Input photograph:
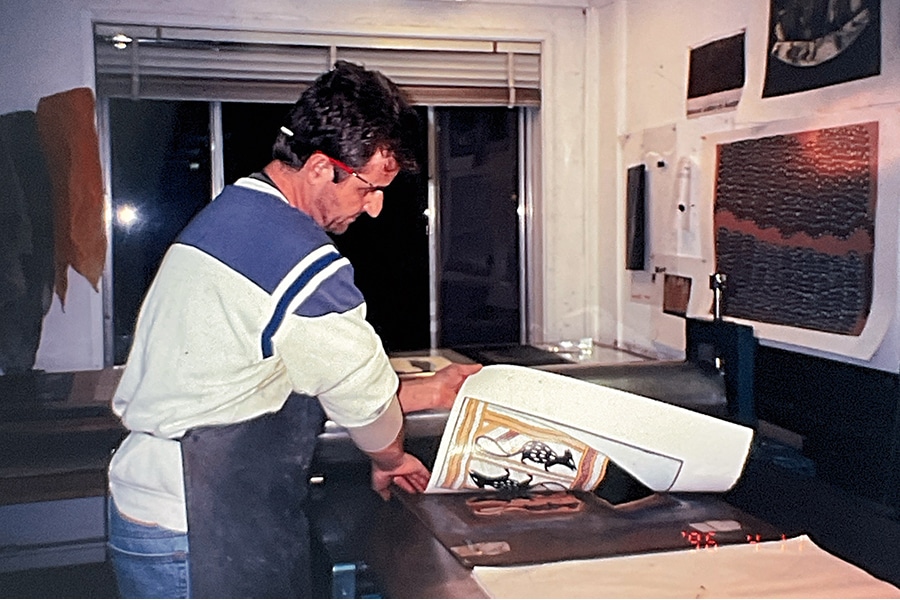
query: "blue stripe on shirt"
255, 234
293, 290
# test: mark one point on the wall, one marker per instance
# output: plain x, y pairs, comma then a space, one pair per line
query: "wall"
654, 126
614, 73
47, 48
840, 393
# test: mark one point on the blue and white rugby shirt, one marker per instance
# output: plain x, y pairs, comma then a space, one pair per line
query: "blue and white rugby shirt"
250, 303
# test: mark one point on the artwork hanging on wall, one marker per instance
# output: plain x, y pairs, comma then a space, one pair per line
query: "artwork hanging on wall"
716, 76
817, 43
795, 227
635, 217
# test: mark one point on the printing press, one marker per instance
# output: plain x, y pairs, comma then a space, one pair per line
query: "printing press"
427, 545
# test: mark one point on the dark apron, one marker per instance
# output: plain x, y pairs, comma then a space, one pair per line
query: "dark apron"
246, 487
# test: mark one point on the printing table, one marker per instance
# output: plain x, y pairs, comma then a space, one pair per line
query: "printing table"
399, 549
366, 547
402, 548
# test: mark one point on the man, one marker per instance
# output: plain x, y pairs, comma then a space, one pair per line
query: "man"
252, 328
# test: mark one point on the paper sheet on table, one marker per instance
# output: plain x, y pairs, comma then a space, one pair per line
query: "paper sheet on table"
413, 365
515, 427
793, 568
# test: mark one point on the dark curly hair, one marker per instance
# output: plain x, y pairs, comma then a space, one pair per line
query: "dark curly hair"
349, 113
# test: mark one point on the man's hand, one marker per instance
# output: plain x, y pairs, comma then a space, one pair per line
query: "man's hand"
406, 472
438, 391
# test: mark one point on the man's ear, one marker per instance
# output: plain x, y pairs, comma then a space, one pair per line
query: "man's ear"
319, 169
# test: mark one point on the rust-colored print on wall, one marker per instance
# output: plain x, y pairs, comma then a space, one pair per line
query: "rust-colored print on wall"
795, 227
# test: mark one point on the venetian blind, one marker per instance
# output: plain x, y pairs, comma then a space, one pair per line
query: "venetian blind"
137, 61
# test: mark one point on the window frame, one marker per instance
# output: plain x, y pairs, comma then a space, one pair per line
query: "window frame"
527, 98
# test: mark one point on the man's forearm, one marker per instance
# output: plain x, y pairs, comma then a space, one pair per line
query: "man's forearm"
381, 433
389, 457
417, 394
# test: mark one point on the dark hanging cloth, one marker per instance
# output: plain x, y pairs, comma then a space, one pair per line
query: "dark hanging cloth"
26, 241
246, 490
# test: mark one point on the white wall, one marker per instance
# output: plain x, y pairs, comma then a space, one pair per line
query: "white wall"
658, 36
47, 47
615, 74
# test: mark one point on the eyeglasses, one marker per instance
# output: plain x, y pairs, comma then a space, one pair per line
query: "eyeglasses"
351, 171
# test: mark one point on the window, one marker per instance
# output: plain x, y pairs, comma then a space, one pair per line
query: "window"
479, 239
442, 265
160, 174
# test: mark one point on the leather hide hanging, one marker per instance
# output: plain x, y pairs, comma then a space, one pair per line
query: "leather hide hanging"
68, 133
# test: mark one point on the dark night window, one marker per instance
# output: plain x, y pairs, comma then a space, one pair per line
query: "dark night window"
162, 175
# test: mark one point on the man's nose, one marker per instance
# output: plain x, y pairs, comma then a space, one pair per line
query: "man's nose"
374, 204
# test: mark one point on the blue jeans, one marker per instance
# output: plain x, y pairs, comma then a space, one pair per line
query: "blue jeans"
149, 561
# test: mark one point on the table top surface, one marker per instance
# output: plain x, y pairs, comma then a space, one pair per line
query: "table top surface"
425, 546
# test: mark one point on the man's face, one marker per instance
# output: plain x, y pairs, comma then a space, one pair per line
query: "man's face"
341, 203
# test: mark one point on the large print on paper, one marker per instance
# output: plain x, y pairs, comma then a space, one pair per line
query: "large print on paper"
817, 43
504, 449
515, 429
795, 227
716, 76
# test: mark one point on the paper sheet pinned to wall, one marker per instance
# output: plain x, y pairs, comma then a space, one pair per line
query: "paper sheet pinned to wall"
514, 427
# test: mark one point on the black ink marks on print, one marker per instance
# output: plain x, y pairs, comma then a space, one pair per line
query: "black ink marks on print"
502, 482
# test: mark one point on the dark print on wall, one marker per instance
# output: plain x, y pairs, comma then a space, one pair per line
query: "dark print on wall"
795, 227
716, 76
817, 43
